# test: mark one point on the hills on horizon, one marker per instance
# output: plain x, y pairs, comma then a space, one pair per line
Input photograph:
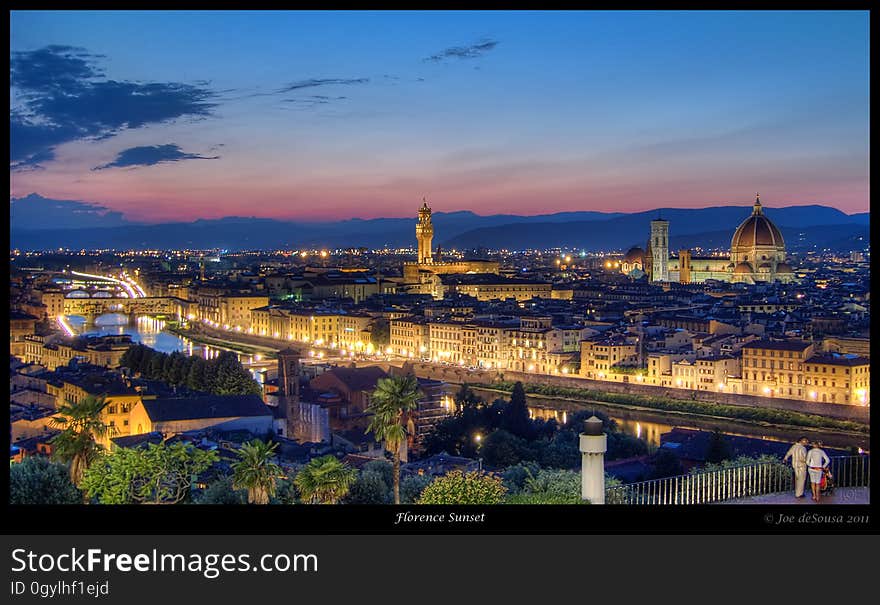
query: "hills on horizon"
91, 227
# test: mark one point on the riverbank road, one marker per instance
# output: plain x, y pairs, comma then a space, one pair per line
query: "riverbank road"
841, 495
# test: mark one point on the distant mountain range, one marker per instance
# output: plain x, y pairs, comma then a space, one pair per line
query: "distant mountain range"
591, 231
704, 227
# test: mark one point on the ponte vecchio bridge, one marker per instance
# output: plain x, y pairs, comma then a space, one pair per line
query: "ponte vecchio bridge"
93, 307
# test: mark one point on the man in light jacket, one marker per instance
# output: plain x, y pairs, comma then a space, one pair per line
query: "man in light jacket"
798, 455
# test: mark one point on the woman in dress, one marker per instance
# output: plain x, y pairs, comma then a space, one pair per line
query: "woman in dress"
817, 462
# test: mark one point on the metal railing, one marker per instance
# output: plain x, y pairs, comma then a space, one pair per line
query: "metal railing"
742, 481
851, 471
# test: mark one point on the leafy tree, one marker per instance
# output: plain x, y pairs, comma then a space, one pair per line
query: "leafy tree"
133, 357
285, 492
183, 371
37, 480
563, 451
146, 362
549, 487
465, 397
455, 434
155, 474
666, 464
157, 365
195, 378
457, 487
255, 471
168, 369
230, 378
81, 424
177, 375
412, 487
514, 477
515, 417
554, 481
718, 449
502, 449
380, 333
373, 484
221, 491
324, 480
392, 399
621, 445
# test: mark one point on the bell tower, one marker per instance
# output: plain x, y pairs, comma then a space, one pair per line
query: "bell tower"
660, 250
289, 371
424, 233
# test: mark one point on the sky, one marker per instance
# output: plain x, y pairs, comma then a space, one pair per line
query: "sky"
174, 116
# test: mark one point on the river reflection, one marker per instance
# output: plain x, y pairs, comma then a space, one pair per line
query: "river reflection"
150, 331
649, 431
650, 425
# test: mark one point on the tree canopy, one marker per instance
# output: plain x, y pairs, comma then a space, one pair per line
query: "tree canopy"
81, 423
324, 480
392, 400
457, 487
223, 375
154, 474
255, 471
37, 480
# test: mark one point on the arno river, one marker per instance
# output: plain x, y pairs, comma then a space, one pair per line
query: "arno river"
646, 425
151, 332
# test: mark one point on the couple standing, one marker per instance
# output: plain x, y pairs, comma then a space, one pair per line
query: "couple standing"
815, 462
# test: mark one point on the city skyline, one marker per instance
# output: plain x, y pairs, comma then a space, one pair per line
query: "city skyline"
322, 116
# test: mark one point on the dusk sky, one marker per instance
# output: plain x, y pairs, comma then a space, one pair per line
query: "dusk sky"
182, 115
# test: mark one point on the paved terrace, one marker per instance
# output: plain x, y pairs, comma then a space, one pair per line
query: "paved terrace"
841, 495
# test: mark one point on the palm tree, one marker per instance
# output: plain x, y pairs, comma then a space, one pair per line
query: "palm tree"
392, 399
255, 471
81, 424
324, 480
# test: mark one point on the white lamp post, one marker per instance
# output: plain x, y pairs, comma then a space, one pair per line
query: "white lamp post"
593, 445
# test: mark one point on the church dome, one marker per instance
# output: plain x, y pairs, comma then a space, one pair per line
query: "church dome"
743, 268
634, 255
757, 230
